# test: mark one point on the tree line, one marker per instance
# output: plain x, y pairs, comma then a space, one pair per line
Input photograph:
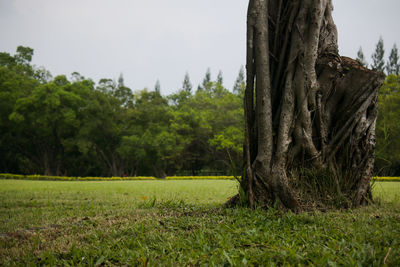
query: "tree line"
75, 127
391, 66
388, 126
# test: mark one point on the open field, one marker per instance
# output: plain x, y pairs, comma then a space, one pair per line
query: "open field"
182, 223
387, 191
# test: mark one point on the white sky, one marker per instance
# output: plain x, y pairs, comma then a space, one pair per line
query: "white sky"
158, 39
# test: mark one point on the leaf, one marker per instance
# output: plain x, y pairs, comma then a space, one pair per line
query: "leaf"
99, 261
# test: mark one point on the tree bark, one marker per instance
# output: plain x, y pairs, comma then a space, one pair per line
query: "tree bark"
310, 114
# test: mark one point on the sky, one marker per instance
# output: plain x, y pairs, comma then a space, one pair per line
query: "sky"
161, 40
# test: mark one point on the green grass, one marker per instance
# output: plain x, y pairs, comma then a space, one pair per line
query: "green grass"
175, 223
387, 191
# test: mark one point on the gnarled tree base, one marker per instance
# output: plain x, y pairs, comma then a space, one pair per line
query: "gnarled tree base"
341, 176
310, 114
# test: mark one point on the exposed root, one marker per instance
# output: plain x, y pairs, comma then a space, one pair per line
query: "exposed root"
306, 108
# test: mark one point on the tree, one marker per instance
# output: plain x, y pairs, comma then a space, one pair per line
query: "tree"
393, 65
388, 128
20, 62
75, 127
206, 81
123, 93
220, 78
77, 77
47, 119
187, 85
151, 143
6, 59
309, 113
211, 124
104, 119
361, 59
42, 75
240, 85
207, 78
106, 86
378, 63
14, 85
157, 87
24, 55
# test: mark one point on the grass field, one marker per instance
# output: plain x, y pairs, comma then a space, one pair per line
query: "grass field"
177, 223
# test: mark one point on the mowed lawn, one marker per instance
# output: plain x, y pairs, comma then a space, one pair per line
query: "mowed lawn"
182, 223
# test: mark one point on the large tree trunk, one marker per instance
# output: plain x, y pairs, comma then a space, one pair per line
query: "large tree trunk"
310, 114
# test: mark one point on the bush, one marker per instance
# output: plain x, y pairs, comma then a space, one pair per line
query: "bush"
200, 178
387, 179
63, 178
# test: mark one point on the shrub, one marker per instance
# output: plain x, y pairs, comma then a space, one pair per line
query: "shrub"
200, 178
387, 179
64, 178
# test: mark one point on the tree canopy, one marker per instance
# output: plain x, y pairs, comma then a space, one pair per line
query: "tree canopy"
61, 126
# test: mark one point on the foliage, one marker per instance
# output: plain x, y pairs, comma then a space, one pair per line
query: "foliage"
61, 178
187, 85
36, 177
393, 65
157, 87
387, 179
240, 84
361, 59
388, 128
378, 62
206, 81
75, 127
199, 178
9, 176
179, 223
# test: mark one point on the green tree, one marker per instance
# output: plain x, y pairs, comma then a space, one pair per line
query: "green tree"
388, 128
157, 87
20, 62
77, 77
46, 119
205, 120
178, 98
378, 62
393, 65
117, 90
17, 80
82, 159
24, 55
57, 126
240, 84
104, 126
151, 142
42, 75
220, 78
6, 59
123, 93
13, 86
106, 86
206, 81
360, 58
187, 85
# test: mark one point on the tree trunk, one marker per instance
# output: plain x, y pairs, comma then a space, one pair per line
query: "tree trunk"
310, 114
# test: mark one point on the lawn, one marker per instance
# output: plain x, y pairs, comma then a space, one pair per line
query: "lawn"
387, 191
177, 223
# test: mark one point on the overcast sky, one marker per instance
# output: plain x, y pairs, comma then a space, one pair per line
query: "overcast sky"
159, 39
